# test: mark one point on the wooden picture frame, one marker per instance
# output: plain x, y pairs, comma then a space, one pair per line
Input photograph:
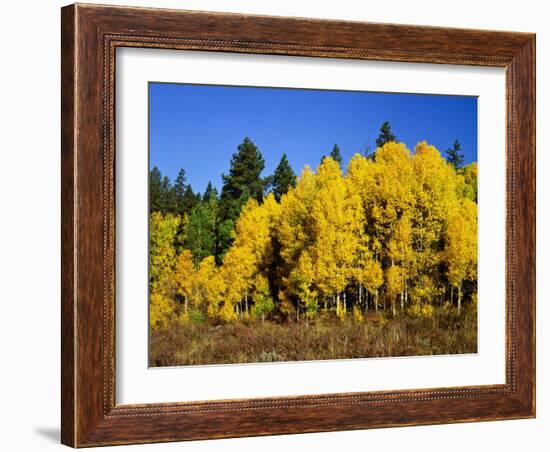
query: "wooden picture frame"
90, 35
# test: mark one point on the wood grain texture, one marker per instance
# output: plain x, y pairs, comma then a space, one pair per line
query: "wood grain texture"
68, 244
90, 36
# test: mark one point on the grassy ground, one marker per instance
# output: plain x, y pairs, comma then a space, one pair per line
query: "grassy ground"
380, 335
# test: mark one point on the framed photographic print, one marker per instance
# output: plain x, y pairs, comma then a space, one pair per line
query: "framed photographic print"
281, 225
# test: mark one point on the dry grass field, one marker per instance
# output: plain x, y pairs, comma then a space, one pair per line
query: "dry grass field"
201, 341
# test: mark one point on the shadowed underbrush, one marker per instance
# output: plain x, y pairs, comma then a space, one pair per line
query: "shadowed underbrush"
200, 342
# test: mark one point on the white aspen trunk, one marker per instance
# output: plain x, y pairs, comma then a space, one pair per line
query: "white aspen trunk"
360, 293
344, 307
459, 296
186, 304
376, 300
337, 302
367, 300
392, 298
246, 300
403, 294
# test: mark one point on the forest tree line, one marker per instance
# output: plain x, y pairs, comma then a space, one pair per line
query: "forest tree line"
393, 231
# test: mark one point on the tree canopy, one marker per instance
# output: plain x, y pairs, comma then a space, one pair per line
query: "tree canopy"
396, 232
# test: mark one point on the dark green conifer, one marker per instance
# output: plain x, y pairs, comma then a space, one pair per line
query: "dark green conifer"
336, 155
454, 156
243, 181
283, 178
386, 135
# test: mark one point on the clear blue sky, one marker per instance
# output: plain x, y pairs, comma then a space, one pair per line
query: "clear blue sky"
198, 127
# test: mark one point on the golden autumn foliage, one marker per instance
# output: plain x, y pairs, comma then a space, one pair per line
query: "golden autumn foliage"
395, 232
461, 251
162, 252
161, 310
184, 276
337, 231
302, 278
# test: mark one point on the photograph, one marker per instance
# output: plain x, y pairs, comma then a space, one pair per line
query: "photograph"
304, 224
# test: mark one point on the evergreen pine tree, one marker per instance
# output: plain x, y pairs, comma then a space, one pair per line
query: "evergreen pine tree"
245, 171
155, 190
168, 196
189, 200
224, 238
385, 135
283, 178
209, 192
200, 230
243, 181
454, 157
179, 191
336, 155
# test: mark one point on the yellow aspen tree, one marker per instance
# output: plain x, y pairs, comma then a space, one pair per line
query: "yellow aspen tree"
422, 295
272, 209
294, 233
253, 245
372, 278
265, 250
257, 227
252, 230
469, 173
386, 190
360, 175
216, 292
460, 252
240, 261
301, 278
435, 194
336, 229
401, 253
369, 277
184, 277
162, 252
361, 257
208, 287
237, 272
391, 192
161, 310
355, 212
394, 284
263, 301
